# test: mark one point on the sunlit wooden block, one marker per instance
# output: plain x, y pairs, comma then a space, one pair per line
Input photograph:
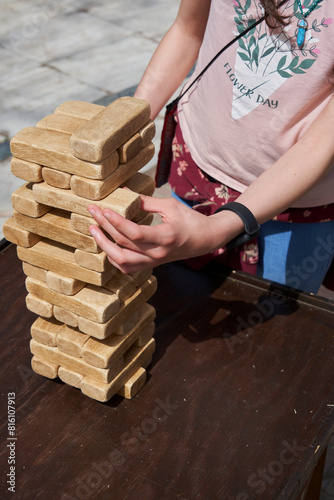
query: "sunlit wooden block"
39, 306
44, 368
28, 171
18, 235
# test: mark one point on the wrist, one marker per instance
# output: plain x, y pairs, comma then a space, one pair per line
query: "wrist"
240, 231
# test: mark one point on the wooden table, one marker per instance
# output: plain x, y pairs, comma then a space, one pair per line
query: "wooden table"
238, 405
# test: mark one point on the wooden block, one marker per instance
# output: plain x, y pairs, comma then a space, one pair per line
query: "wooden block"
56, 225
124, 202
145, 336
95, 261
122, 285
61, 123
141, 183
133, 384
44, 368
23, 201
130, 148
79, 109
71, 341
19, 236
130, 322
56, 178
46, 331
103, 330
98, 189
34, 272
54, 355
81, 223
93, 303
66, 317
70, 377
39, 306
59, 258
26, 170
102, 353
145, 220
108, 130
52, 149
141, 277
147, 133
63, 284
132, 362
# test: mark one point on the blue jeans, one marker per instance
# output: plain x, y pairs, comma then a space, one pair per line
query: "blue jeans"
294, 254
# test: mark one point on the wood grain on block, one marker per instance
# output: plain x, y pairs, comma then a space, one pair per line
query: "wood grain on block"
141, 183
102, 353
54, 355
98, 189
81, 223
130, 148
79, 109
44, 368
18, 235
52, 149
134, 384
26, 170
141, 277
66, 317
103, 330
63, 284
145, 336
70, 377
39, 306
95, 261
45, 331
108, 130
61, 123
59, 258
92, 302
124, 202
71, 341
56, 225
122, 284
23, 201
145, 220
133, 360
147, 133
56, 178
34, 272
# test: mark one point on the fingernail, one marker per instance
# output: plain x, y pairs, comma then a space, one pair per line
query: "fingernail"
107, 215
92, 231
91, 211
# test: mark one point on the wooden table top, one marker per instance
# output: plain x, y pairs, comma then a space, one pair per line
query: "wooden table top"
238, 404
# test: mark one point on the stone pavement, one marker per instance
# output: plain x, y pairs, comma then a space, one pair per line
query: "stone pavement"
92, 50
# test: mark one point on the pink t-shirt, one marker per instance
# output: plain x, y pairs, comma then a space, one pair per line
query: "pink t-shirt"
260, 96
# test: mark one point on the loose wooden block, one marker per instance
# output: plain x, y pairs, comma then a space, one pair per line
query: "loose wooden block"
34, 272
96, 262
93, 303
71, 341
66, 317
26, 170
17, 235
98, 189
79, 109
133, 360
45, 331
56, 178
81, 223
103, 330
134, 384
63, 284
23, 201
70, 377
59, 258
52, 149
102, 353
61, 123
124, 202
147, 133
108, 130
56, 225
122, 285
44, 368
39, 306
130, 148
141, 183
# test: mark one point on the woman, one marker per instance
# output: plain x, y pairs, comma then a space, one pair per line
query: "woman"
257, 127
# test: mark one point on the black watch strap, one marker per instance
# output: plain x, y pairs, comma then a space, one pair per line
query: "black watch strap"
252, 227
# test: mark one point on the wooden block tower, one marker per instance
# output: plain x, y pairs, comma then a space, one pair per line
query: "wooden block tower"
95, 328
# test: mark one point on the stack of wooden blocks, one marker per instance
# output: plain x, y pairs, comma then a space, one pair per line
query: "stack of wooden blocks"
95, 328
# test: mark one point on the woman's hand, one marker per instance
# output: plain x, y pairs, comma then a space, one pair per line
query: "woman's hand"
183, 233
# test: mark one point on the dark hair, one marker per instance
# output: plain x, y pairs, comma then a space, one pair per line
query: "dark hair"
273, 15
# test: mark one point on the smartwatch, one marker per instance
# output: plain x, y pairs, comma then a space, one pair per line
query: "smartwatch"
252, 227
